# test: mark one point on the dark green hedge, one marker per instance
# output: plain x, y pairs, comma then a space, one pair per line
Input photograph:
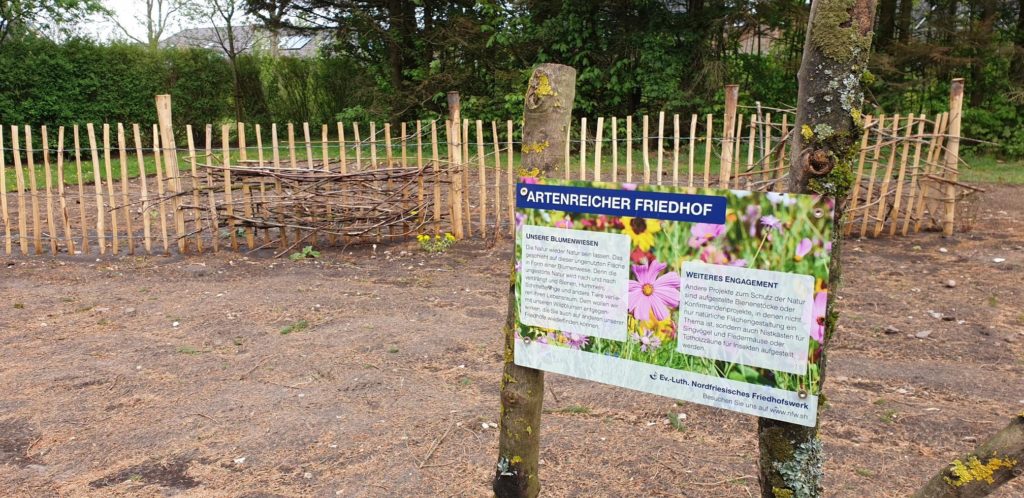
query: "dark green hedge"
80, 81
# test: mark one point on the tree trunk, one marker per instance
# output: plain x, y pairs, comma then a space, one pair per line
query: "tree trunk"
886, 28
906, 9
549, 99
828, 119
986, 38
1017, 69
994, 463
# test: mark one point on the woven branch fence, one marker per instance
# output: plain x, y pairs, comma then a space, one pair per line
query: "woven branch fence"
114, 189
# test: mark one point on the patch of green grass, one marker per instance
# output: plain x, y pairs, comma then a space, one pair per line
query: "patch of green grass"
676, 421
393, 349
575, 409
990, 169
295, 327
465, 381
864, 472
992, 301
19, 306
189, 350
889, 416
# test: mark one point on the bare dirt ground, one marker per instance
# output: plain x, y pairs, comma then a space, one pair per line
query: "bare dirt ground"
157, 376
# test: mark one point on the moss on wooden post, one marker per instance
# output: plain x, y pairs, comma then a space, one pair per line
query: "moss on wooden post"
548, 109
829, 118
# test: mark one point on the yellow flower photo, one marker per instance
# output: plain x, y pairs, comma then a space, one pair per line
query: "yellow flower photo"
641, 230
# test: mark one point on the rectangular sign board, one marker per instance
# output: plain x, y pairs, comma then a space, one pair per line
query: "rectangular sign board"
711, 296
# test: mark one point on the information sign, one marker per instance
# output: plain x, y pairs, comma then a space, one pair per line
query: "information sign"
711, 296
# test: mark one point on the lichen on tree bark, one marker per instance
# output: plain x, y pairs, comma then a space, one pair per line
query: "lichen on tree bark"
829, 118
993, 463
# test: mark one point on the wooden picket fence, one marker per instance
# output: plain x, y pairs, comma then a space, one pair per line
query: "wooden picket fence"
264, 187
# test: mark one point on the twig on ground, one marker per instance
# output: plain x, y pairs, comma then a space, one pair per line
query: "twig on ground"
206, 417
437, 442
723, 481
253, 369
295, 386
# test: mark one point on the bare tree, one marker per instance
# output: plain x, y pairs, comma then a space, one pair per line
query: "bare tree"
230, 33
157, 19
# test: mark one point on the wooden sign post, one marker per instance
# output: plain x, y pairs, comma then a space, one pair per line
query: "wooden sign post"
549, 100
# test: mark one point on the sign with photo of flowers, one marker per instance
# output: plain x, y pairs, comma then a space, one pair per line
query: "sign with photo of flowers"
705, 295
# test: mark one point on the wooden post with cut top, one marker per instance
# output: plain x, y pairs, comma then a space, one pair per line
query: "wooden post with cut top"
732, 93
164, 119
952, 163
548, 109
455, 153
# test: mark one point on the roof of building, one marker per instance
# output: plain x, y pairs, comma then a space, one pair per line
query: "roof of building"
248, 39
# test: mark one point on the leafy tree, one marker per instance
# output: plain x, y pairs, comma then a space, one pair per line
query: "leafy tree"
23, 17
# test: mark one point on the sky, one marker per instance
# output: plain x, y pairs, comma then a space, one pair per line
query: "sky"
127, 12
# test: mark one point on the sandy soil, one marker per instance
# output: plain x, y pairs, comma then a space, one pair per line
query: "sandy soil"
373, 373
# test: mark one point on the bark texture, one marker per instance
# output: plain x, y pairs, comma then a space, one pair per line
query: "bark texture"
829, 123
549, 99
548, 110
994, 463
